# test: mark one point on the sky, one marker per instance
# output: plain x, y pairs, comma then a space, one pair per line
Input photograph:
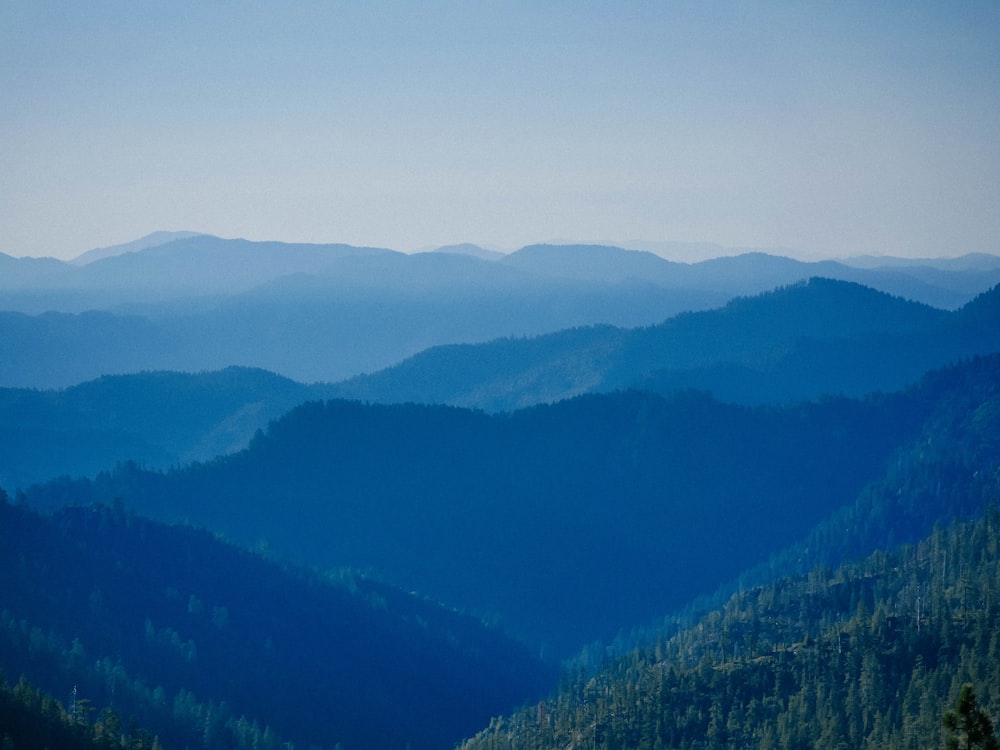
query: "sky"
827, 129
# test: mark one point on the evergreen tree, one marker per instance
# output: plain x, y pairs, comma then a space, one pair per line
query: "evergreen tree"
969, 726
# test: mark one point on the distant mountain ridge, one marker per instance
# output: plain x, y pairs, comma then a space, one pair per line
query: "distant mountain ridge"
150, 240
802, 342
158, 419
467, 248
198, 262
328, 312
798, 342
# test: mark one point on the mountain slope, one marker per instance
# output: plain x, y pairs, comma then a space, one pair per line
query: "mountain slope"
158, 419
569, 521
795, 343
207, 264
208, 645
150, 240
870, 655
798, 342
594, 263
853, 362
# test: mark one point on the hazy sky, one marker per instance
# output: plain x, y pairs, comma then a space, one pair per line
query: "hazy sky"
830, 128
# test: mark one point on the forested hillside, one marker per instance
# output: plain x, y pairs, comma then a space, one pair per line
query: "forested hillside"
206, 645
868, 655
804, 341
801, 342
31, 718
567, 521
158, 419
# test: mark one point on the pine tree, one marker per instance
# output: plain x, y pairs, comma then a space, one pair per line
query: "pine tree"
969, 727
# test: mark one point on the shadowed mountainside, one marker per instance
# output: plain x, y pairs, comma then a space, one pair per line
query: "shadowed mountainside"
569, 521
158, 419
792, 344
208, 644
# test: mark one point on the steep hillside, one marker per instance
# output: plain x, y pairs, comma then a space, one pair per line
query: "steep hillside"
211, 646
30, 718
870, 655
951, 470
568, 521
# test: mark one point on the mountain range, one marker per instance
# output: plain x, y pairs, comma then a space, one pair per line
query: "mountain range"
742, 502
566, 521
813, 339
323, 313
818, 337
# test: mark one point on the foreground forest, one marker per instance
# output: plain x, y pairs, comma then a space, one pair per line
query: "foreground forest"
872, 654
205, 644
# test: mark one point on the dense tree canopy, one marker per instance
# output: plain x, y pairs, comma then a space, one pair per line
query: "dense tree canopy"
870, 655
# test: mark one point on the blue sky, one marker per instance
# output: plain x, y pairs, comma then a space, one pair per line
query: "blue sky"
826, 128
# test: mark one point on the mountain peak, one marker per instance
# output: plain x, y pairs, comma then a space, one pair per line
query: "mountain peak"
154, 239
467, 248
602, 263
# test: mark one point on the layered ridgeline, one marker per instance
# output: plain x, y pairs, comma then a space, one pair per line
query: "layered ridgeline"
794, 343
159, 419
131, 623
798, 342
873, 654
568, 521
328, 312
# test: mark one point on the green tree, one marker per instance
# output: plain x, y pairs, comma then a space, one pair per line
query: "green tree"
969, 727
